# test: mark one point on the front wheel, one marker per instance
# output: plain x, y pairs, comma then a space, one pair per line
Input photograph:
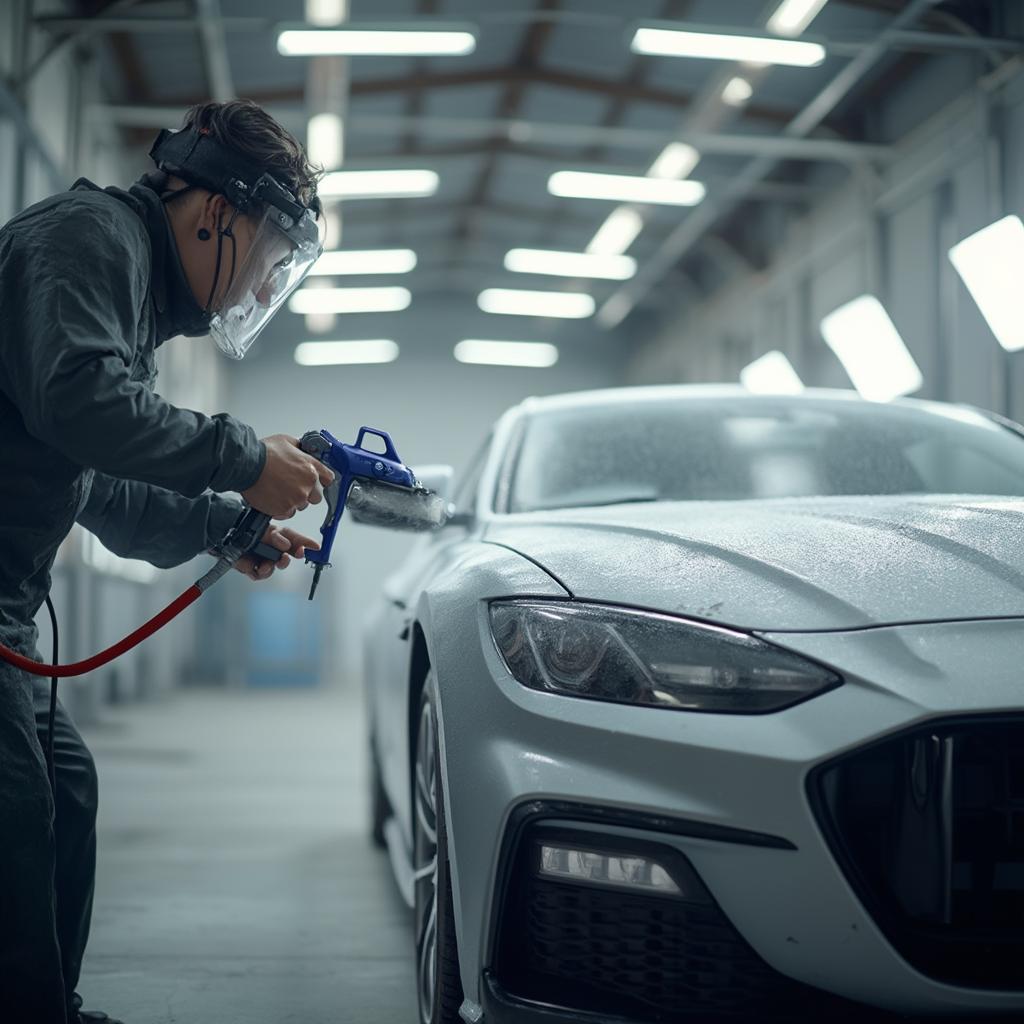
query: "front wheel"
438, 986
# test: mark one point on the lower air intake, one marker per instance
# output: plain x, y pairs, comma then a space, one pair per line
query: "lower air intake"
929, 829
585, 947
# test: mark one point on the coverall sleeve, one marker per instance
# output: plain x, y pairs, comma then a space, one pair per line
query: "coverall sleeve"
75, 309
138, 520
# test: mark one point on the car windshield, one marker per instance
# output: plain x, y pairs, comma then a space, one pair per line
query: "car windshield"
739, 447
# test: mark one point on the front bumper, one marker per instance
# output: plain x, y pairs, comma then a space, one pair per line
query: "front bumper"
796, 909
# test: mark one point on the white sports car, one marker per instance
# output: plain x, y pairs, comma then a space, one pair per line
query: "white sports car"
709, 705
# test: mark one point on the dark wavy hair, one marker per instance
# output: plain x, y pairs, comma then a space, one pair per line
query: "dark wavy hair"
248, 129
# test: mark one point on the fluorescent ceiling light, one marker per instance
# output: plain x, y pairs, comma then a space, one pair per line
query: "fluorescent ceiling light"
334, 353
570, 264
667, 42
791, 17
991, 264
737, 91
326, 12
772, 374
375, 42
625, 188
617, 233
676, 160
518, 302
506, 353
866, 342
365, 261
349, 300
325, 140
393, 184
332, 226
320, 323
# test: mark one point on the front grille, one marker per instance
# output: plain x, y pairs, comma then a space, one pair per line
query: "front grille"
642, 957
929, 829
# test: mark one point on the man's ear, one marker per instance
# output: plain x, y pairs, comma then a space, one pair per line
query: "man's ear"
215, 210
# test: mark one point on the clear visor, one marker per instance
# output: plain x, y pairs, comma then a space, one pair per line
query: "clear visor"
273, 268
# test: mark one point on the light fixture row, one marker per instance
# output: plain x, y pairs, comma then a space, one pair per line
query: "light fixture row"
479, 351
660, 39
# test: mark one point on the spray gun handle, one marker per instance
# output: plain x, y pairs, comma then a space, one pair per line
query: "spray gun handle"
246, 537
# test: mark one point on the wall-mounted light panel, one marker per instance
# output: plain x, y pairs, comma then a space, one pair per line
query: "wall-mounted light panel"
865, 340
771, 374
991, 264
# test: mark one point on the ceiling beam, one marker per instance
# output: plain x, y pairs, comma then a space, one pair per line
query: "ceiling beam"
521, 132
704, 217
535, 38
215, 51
508, 76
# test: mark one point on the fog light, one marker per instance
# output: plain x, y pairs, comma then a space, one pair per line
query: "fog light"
612, 870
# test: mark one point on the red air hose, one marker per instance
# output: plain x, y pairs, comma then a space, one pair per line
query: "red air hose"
175, 608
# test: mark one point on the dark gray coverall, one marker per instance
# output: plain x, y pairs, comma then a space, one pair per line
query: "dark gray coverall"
90, 285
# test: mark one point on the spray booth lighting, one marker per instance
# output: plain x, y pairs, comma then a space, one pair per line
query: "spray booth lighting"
570, 264
791, 17
364, 261
991, 263
337, 353
866, 342
397, 183
673, 42
676, 160
617, 233
625, 188
378, 41
771, 374
519, 302
506, 353
350, 300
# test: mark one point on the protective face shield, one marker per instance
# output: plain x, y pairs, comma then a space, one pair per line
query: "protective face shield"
276, 264
284, 247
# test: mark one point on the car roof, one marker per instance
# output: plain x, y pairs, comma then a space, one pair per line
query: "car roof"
677, 392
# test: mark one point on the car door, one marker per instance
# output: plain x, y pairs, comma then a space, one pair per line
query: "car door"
401, 595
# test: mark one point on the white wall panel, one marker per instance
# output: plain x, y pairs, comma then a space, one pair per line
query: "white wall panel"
959, 168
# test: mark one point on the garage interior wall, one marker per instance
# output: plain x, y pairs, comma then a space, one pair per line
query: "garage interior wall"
958, 135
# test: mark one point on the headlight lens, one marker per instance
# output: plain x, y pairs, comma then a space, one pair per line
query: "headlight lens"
633, 657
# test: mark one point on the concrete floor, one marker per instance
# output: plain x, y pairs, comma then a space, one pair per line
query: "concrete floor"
236, 882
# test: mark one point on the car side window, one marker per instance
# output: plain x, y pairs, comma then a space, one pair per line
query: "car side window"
465, 493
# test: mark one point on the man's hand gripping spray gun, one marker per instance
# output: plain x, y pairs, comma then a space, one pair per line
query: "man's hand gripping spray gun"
378, 490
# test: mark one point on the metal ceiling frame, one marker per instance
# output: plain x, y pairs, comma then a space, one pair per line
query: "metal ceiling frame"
215, 50
524, 132
849, 45
704, 217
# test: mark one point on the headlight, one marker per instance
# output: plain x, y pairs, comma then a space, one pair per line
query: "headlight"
633, 657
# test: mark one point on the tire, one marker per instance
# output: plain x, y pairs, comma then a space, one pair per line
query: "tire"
380, 806
438, 985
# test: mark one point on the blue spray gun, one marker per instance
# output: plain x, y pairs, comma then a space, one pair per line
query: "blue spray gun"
377, 488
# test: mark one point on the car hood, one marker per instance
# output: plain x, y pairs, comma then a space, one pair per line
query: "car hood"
794, 564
